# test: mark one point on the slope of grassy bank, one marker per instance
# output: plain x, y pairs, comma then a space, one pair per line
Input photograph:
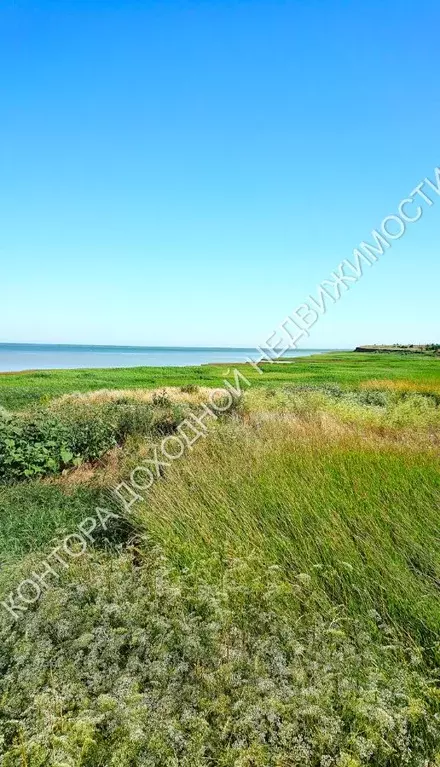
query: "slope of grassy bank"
346, 368
272, 602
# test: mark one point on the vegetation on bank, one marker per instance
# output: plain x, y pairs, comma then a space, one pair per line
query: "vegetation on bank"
274, 600
129, 661
430, 349
19, 390
48, 440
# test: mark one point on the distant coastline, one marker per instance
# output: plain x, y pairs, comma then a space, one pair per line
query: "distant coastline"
15, 358
116, 347
401, 348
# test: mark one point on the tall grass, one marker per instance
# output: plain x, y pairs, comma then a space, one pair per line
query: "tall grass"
358, 517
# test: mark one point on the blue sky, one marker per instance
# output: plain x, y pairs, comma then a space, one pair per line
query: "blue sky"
186, 173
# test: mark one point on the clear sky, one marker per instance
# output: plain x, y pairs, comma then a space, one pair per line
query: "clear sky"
186, 173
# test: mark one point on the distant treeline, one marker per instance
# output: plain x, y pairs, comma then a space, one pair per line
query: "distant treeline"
401, 348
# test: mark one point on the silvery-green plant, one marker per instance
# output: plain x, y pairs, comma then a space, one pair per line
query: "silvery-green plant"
127, 663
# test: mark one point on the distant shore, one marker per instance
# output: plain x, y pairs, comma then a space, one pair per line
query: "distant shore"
20, 358
401, 348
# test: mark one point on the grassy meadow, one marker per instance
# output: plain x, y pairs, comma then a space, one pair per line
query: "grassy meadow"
273, 601
17, 390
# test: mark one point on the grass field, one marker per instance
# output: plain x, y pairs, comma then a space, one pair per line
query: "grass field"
274, 601
345, 368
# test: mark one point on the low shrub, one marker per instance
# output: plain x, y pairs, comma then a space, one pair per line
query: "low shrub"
91, 431
332, 390
371, 398
34, 446
167, 419
139, 418
129, 418
48, 440
121, 665
161, 399
416, 410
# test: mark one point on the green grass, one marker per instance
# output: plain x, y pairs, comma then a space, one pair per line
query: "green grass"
360, 519
273, 602
35, 515
18, 390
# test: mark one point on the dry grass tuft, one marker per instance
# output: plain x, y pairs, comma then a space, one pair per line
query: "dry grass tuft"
103, 396
388, 384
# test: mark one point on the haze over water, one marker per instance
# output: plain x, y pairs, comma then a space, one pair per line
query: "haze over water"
16, 357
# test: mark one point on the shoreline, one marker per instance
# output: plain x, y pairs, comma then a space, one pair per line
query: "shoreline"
222, 363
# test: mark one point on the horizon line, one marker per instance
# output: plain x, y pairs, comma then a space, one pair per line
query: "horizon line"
141, 346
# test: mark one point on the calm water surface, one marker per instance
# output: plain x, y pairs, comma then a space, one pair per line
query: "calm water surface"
15, 357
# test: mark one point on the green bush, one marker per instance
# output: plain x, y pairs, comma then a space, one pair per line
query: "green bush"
161, 399
140, 418
91, 431
46, 441
129, 418
166, 419
33, 446
371, 398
